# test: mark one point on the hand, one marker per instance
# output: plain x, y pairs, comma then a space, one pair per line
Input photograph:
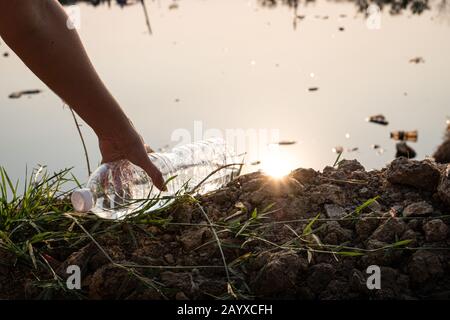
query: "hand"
129, 145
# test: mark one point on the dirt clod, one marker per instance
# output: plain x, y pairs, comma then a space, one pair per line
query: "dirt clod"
419, 174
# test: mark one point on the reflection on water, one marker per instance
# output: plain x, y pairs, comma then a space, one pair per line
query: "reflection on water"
395, 7
316, 85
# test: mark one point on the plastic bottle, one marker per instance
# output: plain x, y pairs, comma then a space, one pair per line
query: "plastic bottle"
119, 188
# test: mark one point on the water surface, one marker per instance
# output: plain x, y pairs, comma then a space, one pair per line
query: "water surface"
240, 64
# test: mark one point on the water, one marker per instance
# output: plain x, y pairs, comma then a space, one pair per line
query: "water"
239, 65
119, 188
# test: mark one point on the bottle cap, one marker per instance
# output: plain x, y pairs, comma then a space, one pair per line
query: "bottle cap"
82, 200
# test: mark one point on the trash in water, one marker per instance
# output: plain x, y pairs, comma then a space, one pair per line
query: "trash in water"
343, 15
347, 136
404, 135
6, 54
313, 89
255, 163
18, 94
341, 28
378, 119
173, 6
286, 142
338, 149
417, 60
352, 149
403, 150
378, 149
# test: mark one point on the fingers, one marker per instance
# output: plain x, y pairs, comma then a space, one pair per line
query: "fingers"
154, 174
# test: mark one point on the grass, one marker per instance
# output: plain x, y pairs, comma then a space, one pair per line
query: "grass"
36, 223
40, 221
38, 227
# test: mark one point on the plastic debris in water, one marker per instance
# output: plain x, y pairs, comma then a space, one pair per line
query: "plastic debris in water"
341, 28
18, 94
255, 163
313, 89
173, 6
286, 142
347, 136
417, 60
403, 150
404, 135
6, 54
378, 149
378, 119
352, 149
338, 149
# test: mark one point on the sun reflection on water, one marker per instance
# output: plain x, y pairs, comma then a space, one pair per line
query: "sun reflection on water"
277, 163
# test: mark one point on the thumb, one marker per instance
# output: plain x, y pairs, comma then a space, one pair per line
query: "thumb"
154, 174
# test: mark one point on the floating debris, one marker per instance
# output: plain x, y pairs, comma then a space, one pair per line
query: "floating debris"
403, 150
6, 54
286, 142
417, 60
255, 163
341, 29
352, 149
18, 94
173, 6
342, 15
338, 149
375, 146
378, 119
404, 135
347, 136
301, 17
177, 100
312, 89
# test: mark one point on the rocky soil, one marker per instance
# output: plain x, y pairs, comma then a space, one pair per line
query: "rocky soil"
306, 236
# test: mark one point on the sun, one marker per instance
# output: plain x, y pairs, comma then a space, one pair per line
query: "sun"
276, 164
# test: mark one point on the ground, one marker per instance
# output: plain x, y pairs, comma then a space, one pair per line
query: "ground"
310, 235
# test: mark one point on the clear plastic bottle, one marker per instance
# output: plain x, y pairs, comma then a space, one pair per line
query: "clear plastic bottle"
119, 188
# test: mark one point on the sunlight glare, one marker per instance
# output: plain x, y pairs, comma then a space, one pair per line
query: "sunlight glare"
276, 164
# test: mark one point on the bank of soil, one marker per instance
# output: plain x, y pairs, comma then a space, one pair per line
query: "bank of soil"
310, 235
